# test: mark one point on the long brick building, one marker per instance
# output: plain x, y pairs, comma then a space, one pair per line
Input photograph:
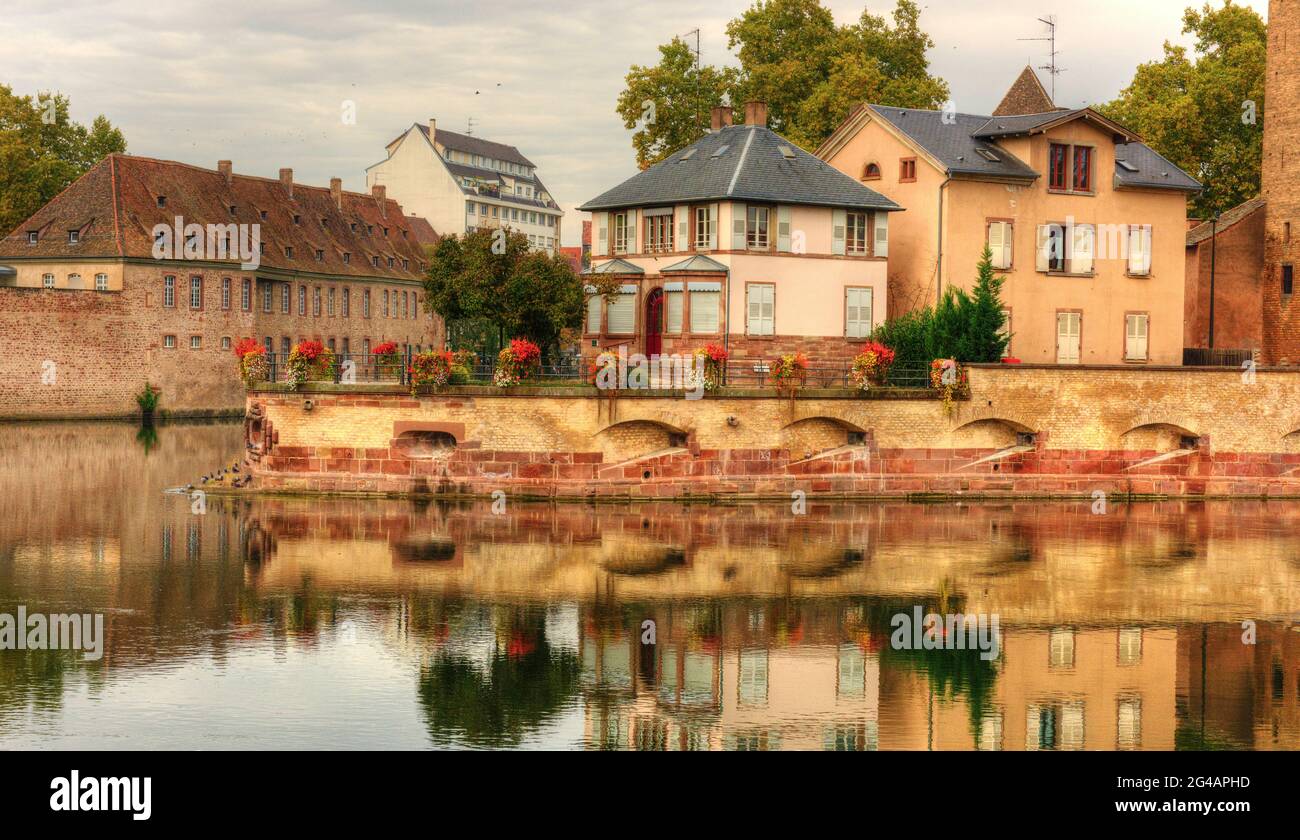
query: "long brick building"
96, 298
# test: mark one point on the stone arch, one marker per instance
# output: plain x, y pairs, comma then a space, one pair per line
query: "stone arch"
809, 436
632, 438
1156, 436
989, 432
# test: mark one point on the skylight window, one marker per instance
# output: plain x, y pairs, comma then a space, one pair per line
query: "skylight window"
786, 152
1126, 165
722, 150
690, 153
988, 155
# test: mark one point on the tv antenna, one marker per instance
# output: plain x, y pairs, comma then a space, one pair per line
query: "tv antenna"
1052, 70
696, 33
469, 126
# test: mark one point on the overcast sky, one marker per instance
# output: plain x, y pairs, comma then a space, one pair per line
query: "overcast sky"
263, 83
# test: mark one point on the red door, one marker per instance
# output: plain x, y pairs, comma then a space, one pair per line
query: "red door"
654, 322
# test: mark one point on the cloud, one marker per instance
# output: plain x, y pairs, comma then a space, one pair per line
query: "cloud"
264, 83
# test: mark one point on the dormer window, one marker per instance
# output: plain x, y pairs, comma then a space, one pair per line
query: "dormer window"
232, 209
296, 218
288, 252
871, 171
320, 255
263, 215
347, 258
162, 201
374, 261
74, 236
370, 229
33, 236
385, 231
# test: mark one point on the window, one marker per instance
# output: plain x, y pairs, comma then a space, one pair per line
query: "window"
1129, 651
332, 345
347, 258
225, 342
1056, 157
386, 303
622, 314
288, 252
74, 281
1068, 326
855, 232
365, 305
246, 295
1139, 250
374, 261
999, 240
1128, 723
659, 231
330, 303
593, 314
320, 255
624, 233
762, 309
1083, 169
347, 346
315, 301
405, 306
857, 312
284, 345
101, 282
871, 172
673, 300
162, 201
196, 293
33, 236
365, 347
705, 305
225, 292
1135, 337
286, 299
1061, 648
266, 297
169, 291
196, 342
169, 342
907, 170
47, 281
74, 236
1066, 249
302, 300
756, 227
347, 302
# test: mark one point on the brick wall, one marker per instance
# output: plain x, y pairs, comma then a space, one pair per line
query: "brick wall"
105, 345
1093, 427
1238, 288
1280, 182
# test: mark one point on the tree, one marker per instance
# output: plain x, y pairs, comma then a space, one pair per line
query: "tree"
42, 151
1205, 112
984, 339
490, 281
810, 72
670, 104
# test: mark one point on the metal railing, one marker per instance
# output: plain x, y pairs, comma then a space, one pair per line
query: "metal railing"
1216, 357
756, 373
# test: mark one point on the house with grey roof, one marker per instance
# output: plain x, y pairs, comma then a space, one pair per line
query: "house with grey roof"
459, 182
740, 239
1085, 223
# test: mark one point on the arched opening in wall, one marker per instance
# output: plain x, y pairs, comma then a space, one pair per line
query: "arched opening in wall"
871, 171
424, 551
1291, 441
1158, 438
812, 436
635, 438
420, 445
991, 433
647, 560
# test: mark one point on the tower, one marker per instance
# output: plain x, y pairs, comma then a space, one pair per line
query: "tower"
1280, 185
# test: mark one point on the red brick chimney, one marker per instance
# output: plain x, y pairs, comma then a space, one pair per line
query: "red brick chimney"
336, 192
756, 113
433, 129
721, 117
381, 195
286, 178
227, 170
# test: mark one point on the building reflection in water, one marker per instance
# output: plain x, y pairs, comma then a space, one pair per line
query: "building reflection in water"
771, 631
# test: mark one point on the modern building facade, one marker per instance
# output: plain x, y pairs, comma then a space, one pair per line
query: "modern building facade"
100, 298
460, 182
1087, 225
741, 239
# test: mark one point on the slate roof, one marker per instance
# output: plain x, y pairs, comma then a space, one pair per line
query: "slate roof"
698, 262
744, 163
1153, 170
1227, 219
615, 266
477, 146
954, 143
115, 206
1026, 96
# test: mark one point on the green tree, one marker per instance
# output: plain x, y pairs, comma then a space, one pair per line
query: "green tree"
670, 104
984, 340
1197, 110
42, 151
489, 280
810, 72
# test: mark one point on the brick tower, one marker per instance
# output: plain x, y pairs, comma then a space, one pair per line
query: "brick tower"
1280, 186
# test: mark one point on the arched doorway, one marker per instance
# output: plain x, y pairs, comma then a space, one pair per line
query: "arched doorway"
654, 322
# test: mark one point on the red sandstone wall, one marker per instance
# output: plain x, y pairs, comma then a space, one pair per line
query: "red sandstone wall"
1238, 291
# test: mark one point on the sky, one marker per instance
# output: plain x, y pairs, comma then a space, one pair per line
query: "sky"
265, 83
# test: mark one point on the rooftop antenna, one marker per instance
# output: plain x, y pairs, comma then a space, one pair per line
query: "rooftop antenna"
696, 33
469, 126
1052, 70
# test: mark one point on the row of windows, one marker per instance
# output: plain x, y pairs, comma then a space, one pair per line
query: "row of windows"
485, 162
225, 246
286, 344
1069, 168
396, 304
1069, 336
1131, 243
512, 213
700, 311
753, 227
75, 282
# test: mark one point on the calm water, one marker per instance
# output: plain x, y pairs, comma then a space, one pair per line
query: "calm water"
343, 624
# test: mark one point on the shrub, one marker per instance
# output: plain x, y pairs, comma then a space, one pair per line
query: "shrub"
711, 362
148, 398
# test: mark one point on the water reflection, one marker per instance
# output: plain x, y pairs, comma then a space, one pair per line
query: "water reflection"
343, 623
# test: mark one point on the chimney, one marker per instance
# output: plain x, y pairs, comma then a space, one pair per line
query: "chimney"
336, 192
721, 117
286, 178
756, 113
381, 195
433, 129
227, 170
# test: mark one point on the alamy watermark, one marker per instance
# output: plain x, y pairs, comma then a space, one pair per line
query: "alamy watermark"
636, 371
55, 631
193, 241
931, 631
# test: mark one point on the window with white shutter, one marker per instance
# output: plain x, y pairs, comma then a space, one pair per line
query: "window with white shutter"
762, 309
1085, 239
880, 222
622, 314
1135, 337
1000, 244
602, 234
704, 311
593, 314
1067, 337
1139, 250
857, 312
838, 222
673, 311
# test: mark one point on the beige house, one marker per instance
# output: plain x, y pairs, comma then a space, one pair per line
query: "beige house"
1086, 223
459, 182
741, 239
